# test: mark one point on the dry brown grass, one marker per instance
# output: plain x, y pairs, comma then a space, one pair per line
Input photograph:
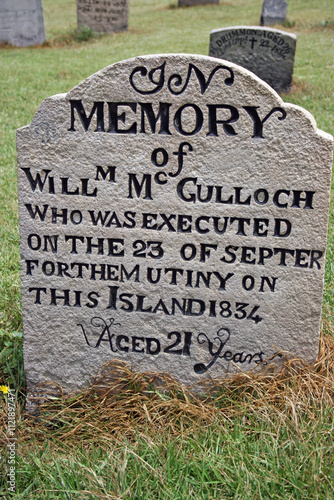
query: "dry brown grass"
123, 404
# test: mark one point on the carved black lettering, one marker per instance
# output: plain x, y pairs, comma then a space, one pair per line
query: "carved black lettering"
270, 282
277, 196
34, 242
61, 214
163, 115
258, 123
63, 295
136, 347
198, 120
30, 265
248, 283
74, 240
229, 250
157, 277
315, 257
119, 343
297, 198
246, 255
280, 230
48, 268
38, 291
115, 118
205, 250
213, 121
76, 105
37, 181
189, 197
283, 252
208, 196
259, 227
128, 275
146, 181
127, 304
166, 222
104, 174
93, 300
37, 211
152, 346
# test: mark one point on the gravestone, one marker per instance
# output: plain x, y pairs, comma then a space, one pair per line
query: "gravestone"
173, 215
273, 12
268, 53
22, 22
193, 3
103, 16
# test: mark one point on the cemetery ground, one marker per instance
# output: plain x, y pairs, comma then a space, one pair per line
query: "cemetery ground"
257, 437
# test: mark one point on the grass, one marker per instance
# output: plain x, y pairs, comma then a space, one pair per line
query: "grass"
257, 438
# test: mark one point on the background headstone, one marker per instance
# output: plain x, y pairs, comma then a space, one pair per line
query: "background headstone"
22, 22
273, 12
173, 214
103, 16
192, 3
269, 53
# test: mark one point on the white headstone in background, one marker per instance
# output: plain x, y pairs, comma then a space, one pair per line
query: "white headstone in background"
103, 16
173, 214
269, 53
273, 12
22, 22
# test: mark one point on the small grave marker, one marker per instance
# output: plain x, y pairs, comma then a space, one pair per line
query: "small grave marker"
22, 22
268, 53
103, 16
173, 214
273, 12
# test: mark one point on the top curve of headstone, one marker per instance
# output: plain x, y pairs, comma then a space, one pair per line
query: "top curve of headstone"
175, 75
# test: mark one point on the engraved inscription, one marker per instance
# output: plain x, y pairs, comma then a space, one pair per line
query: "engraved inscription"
170, 217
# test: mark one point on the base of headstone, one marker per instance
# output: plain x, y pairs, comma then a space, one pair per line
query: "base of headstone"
193, 3
22, 22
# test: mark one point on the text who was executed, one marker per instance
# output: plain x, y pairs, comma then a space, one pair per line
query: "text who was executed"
173, 214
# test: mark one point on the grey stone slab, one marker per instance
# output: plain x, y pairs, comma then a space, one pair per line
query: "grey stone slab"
273, 12
269, 53
173, 214
103, 16
193, 3
22, 22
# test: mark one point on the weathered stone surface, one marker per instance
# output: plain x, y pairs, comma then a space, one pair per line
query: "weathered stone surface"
173, 214
103, 16
22, 22
273, 12
269, 53
192, 3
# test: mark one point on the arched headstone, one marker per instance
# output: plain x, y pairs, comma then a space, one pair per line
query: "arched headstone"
268, 53
273, 12
103, 16
22, 22
173, 214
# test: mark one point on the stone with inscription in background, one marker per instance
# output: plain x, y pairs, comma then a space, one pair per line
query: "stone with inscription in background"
173, 214
193, 3
273, 12
103, 16
267, 52
22, 22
